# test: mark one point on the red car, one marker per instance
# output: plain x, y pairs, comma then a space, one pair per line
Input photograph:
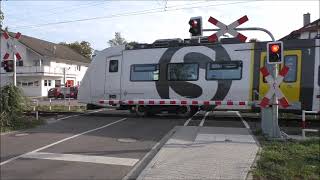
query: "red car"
63, 92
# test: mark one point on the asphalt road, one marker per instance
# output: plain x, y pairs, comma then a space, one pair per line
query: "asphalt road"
101, 145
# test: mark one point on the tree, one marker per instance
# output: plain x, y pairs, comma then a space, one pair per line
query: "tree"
83, 47
117, 40
1, 16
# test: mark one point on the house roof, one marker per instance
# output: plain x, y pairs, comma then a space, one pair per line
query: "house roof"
311, 27
46, 48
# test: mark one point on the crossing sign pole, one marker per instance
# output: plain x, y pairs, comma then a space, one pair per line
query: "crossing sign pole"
12, 42
269, 115
268, 126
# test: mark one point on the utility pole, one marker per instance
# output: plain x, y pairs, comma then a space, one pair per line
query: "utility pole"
14, 69
0, 37
64, 76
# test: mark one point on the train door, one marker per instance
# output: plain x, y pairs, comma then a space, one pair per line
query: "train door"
112, 80
291, 82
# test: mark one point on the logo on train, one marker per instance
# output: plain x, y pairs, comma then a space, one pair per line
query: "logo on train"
201, 55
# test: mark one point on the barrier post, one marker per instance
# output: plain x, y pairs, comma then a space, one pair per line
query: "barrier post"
65, 102
69, 104
303, 124
50, 104
35, 108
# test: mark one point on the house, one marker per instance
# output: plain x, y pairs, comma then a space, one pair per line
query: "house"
308, 31
45, 65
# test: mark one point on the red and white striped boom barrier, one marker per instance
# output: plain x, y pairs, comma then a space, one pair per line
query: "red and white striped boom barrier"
227, 29
12, 43
274, 87
174, 102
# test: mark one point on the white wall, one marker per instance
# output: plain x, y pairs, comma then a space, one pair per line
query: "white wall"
29, 57
29, 85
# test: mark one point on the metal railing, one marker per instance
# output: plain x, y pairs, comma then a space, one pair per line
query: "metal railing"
41, 69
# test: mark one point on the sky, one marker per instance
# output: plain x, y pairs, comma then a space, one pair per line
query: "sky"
147, 21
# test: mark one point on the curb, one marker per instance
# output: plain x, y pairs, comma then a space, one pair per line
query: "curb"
141, 165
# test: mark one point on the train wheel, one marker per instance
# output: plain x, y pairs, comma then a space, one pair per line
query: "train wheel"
141, 111
184, 111
194, 110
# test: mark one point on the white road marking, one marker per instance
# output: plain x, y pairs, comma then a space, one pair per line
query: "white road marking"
82, 158
66, 139
204, 118
187, 122
57, 120
243, 121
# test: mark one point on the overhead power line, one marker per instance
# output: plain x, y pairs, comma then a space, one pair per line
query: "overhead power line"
60, 10
135, 13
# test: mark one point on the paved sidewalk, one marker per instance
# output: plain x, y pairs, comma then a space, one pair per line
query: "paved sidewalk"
204, 153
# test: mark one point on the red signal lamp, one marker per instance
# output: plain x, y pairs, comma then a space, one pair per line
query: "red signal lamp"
194, 23
275, 48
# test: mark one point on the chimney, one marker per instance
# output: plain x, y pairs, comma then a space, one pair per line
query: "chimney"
306, 19
54, 49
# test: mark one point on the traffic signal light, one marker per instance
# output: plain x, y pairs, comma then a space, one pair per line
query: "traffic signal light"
8, 65
195, 26
275, 52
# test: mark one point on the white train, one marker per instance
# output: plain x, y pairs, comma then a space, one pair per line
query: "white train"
181, 76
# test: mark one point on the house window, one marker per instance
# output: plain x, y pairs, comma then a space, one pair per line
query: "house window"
229, 70
30, 83
78, 68
183, 71
36, 83
144, 72
45, 82
49, 82
24, 84
113, 66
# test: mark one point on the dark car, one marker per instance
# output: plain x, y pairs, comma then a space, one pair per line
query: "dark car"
52, 93
73, 92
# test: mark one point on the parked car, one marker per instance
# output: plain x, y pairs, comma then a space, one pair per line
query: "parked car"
63, 92
52, 92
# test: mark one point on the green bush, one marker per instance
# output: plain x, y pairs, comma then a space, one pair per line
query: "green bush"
12, 105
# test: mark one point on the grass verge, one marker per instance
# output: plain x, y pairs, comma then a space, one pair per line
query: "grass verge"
288, 160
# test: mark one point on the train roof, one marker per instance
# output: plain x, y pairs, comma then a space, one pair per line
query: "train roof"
177, 42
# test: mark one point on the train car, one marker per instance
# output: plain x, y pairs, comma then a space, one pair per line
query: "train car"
182, 76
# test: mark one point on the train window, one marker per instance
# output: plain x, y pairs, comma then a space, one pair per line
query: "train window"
144, 72
183, 71
228, 70
113, 66
291, 62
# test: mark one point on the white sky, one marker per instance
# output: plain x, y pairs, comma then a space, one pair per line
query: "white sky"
279, 17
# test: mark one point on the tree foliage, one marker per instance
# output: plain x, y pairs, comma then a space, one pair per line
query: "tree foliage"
1, 16
117, 40
11, 105
84, 47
